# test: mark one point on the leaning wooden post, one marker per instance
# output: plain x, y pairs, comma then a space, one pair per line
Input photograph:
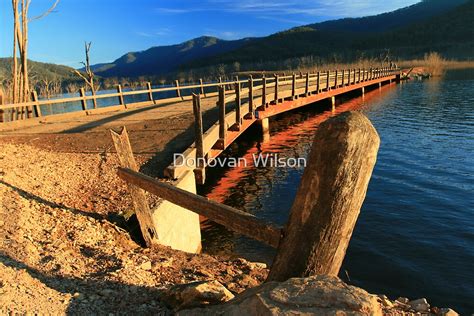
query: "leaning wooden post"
140, 204
120, 96
201, 88
329, 198
199, 171
150, 92
37, 108
178, 90
222, 123
82, 93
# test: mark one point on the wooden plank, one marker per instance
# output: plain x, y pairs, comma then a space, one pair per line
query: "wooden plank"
201, 87
233, 219
140, 204
329, 198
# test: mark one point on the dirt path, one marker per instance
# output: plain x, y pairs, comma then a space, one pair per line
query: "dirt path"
60, 251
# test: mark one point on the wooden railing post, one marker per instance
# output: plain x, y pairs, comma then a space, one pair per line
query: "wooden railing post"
222, 123
328, 85
238, 104
293, 87
82, 93
335, 80
36, 107
343, 73
178, 90
150, 93
276, 89
264, 92
328, 199
120, 96
318, 83
306, 89
140, 204
199, 170
358, 77
201, 88
251, 109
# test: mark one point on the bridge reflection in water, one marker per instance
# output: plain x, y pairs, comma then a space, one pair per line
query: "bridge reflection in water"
252, 188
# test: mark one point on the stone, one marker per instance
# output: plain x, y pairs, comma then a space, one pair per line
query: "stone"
146, 265
316, 295
403, 300
447, 312
196, 294
385, 301
420, 305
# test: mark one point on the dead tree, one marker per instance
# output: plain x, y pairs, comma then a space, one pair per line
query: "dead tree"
20, 79
89, 75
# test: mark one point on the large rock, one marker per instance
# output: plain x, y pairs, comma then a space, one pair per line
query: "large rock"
196, 294
318, 295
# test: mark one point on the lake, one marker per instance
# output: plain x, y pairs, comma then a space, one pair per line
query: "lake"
415, 234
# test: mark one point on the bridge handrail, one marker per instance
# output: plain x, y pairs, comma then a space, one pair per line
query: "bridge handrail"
31, 109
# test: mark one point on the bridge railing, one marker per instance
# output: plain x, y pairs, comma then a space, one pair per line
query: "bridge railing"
86, 104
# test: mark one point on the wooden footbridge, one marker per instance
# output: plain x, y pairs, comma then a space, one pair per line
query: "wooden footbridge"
335, 179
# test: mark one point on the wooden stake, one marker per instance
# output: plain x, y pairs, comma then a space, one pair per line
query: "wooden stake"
178, 90
37, 108
329, 198
201, 88
150, 93
82, 93
140, 204
120, 96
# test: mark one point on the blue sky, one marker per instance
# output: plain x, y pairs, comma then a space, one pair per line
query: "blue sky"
119, 26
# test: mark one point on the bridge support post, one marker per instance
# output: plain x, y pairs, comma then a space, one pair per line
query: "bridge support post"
333, 103
329, 198
265, 128
362, 90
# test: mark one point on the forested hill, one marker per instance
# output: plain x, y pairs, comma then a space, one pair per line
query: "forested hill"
410, 32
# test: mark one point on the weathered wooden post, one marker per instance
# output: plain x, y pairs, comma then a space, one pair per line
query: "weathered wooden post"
140, 204
238, 104
251, 109
222, 123
276, 89
335, 80
306, 88
264, 92
199, 170
37, 108
328, 85
318, 83
178, 90
120, 96
150, 92
329, 198
293, 87
82, 93
343, 73
358, 77
201, 88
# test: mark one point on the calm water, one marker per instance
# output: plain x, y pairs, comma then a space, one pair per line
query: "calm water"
415, 233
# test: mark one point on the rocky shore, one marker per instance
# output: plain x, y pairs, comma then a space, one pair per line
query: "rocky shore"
63, 250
